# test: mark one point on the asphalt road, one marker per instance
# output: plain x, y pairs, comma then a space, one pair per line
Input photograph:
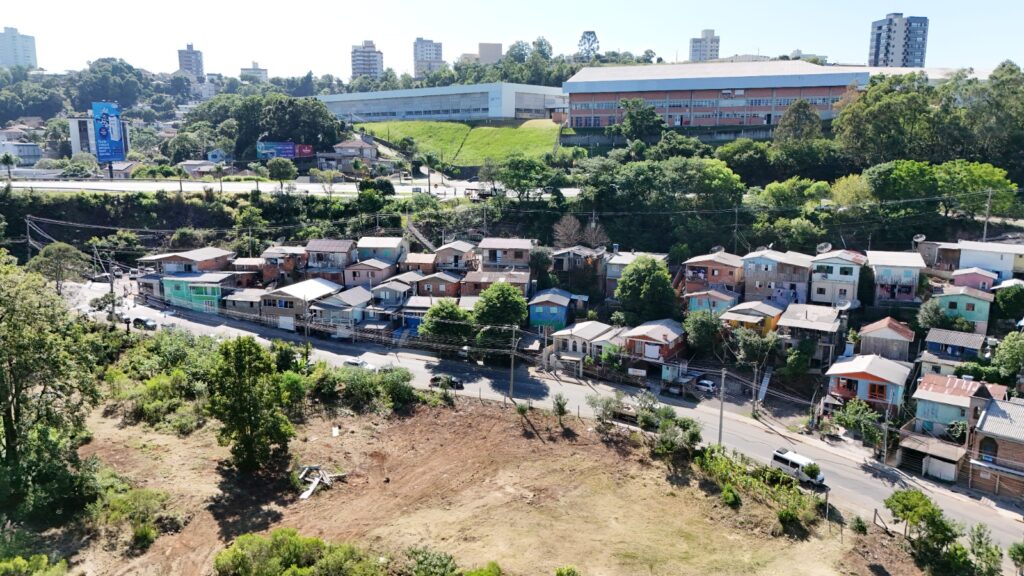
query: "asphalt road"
858, 482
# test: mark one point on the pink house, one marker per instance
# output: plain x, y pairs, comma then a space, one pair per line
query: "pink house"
975, 278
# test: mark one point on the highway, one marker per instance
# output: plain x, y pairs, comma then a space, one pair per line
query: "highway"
858, 482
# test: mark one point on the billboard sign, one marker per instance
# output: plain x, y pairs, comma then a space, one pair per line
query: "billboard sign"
267, 150
303, 150
110, 140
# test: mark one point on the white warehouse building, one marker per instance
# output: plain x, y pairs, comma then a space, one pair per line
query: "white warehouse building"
496, 101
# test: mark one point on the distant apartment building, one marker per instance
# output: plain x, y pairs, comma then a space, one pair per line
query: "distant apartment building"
488, 52
426, 57
899, 41
256, 73
367, 60
705, 47
191, 61
17, 49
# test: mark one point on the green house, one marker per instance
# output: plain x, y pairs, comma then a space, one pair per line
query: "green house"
970, 303
199, 292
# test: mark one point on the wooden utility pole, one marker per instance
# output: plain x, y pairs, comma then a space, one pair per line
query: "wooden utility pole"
988, 212
721, 406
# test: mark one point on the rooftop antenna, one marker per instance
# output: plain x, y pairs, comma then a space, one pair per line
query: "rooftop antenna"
717, 249
823, 247
918, 238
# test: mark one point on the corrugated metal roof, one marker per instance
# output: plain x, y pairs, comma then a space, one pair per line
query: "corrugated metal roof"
663, 331
380, 242
995, 247
975, 270
896, 259
1003, 419
627, 258
588, 330
197, 255
505, 244
458, 246
845, 255
329, 245
717, 257
954, 338
308, 290
873, 364
790, 257
966, 291
811, 317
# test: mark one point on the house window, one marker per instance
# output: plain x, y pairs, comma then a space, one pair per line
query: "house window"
848, 385
846, 270
765, 267
429, 287
936, 369
843, 291
820, 291
355, 274
963, 412
952, 306
970, 307
714, 272
758, 284
440, 288
876, 392
518, 255
822, 269
989, 449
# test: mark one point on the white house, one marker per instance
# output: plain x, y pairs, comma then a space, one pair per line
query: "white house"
1000, 259
835, 277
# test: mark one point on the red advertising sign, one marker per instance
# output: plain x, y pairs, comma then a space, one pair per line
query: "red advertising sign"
303, 150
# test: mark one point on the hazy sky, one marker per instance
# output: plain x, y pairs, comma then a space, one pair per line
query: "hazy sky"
291, 38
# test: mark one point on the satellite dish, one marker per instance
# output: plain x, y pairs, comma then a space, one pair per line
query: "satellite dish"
919, 238
843, 305
761, 249
824, 247
717, 249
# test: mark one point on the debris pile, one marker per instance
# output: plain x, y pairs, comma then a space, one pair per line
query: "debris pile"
315, 477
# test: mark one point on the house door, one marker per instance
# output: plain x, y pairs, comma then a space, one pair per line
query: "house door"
286, 322
209, 307
652, 351
455, 260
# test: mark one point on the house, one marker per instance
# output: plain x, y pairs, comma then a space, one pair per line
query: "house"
940, 256
390, 294
384, 248
468, 303
618, 262
283, 262
835, 278
996, 455
550, 308
969, 303
976, 278
820, 325
415, 308
347, 152
368, 272
327, 258
658, 340
340, 314
947, 349
878, 381
585, 339
714, 301
761, 317
412, 278
423, 263
219, 156
579, 267
896, 275
256, 266
504, 253
196, 168
716, 271
244, 303
440, 284
284, 306
887, 338
199, 260
926, 442
1004, 260
782, 278
458, 257
479, 280
123, 170
199, 291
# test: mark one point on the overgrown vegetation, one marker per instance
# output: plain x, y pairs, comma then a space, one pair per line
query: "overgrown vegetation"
135, 515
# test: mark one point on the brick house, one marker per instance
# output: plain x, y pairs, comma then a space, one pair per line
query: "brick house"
996, 456
440, 284
384, 248
207, 259
458, 257
658, 340
479, 280
327, 258
288, 304
504, 253
618, 262
423, 263
714, 271
368, 272
283, 262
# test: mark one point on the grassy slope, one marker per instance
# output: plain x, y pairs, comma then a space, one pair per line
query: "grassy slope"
532, 138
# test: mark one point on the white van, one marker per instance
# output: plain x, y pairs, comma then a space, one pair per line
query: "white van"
793, 464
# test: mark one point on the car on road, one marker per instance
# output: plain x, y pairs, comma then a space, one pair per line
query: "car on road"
359, 363
134, 274
144, 323
446, 381
122, 315
104, 277
795, 465
118, 273
707, 386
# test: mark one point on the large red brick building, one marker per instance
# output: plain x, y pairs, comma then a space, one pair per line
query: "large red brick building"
709, 93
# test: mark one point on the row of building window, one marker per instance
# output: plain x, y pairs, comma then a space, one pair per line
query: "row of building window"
273, 303
712, 103
396, 113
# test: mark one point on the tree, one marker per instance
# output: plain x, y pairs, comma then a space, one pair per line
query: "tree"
930, 315
281, 169
46, 390
798, 360
965, 188
522, 175
1016, 554
567, 231
502, 304
7, 160
910, 506
218, 173
702, 328
639, 120
1010, 354
857, 416
986, 554
677, 437
1010, 302
245, 398
594, 235
560, 404
60, 262
326, 178
753, 349
800, 123
674, 144
447, 322
540, 267
749, 159
645, 291
588, 46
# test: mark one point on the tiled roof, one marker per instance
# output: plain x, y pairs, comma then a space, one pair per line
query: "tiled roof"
948, 389
892, 324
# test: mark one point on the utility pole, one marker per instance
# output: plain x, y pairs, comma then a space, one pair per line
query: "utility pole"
721, 406
988, 211
512, 366
735, 228
885, 437
753, 392
28, 240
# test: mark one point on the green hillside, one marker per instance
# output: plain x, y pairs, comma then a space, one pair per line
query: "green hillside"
468, 145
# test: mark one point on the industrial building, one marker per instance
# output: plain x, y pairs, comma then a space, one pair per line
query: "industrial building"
457, 102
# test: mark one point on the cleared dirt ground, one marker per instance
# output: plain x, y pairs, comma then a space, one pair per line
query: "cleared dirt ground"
476, 482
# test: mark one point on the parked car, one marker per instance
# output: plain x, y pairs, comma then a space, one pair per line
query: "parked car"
134, 274
104, 277
707, 386
144, 323
118, 273
794, 464
450, 381
359, 363
122, 315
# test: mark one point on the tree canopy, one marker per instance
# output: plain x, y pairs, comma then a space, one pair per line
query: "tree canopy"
645, 291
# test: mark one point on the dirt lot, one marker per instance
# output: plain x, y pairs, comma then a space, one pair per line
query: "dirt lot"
475, 482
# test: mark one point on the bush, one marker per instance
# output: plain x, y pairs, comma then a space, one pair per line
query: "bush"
812, 471
567, 571
143, 536
426, 562
730, 497
38, 565
788, 517
120, 505
492, 569
859, 526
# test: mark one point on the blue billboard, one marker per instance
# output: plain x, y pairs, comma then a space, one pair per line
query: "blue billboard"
266, 150
110, 141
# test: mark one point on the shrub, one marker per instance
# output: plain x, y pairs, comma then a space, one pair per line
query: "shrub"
522, 409
812, 471
859, 526
426, 562
788, 517
143, 536
567, 571
38, 565
492, 569
730, 497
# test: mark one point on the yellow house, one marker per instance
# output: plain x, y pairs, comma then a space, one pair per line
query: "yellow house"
760, 317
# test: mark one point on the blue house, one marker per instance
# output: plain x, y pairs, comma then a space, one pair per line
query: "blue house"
947, 349
550, 309
715, 301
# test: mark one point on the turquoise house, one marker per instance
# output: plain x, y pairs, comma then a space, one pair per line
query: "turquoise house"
714, 301
550, 309
970, 303
201, 292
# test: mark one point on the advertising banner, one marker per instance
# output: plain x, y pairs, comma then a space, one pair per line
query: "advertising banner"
303, 150
110, 141
266, 150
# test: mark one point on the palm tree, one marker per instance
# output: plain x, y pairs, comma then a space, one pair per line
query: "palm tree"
8, 160
218, 173
429, 160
